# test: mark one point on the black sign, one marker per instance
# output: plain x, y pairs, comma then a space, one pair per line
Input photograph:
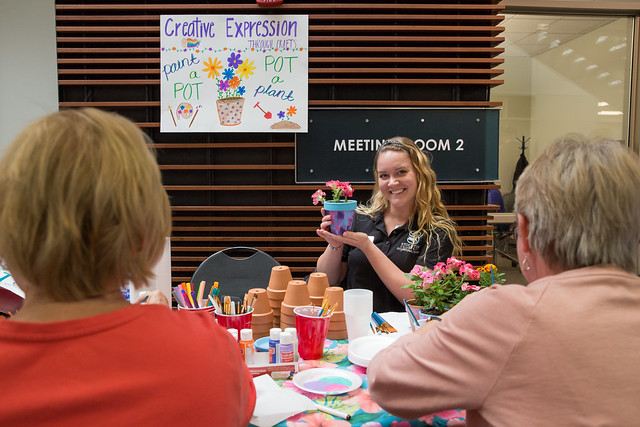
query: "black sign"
341, 143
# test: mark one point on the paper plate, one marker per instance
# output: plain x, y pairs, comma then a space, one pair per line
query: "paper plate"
262, 344
327, 381
362, 350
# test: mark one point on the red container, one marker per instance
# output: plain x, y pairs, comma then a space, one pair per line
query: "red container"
312, 332
236, 321
209, 310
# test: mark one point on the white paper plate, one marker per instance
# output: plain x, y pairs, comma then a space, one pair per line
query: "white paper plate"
362, 350
327, 381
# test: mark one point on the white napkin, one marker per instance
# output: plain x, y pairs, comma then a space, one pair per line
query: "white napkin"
399, 320
275, 404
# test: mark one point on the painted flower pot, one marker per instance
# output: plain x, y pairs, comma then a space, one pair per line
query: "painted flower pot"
230, 111
422, 312
341, 215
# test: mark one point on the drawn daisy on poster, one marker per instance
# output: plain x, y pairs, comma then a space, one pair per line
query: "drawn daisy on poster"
241, 73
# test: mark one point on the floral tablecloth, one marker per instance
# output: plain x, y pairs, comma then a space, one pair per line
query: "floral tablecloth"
364, 411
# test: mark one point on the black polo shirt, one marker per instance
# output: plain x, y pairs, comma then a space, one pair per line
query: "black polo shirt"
402, 247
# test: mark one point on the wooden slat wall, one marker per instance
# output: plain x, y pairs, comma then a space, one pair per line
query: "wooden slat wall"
239, 189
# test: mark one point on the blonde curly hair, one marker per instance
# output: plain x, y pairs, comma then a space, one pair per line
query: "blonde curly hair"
429, 213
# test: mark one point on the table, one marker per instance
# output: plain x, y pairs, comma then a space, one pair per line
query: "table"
502, 218
357, 403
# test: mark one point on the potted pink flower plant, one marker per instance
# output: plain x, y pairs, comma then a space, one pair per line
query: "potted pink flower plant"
438, 290
340, 207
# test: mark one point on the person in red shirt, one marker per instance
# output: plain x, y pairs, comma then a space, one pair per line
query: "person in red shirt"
87, 214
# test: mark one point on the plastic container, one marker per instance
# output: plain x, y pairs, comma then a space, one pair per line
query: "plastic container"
246, 345
234, 333
286, 347
274, 345
294, 334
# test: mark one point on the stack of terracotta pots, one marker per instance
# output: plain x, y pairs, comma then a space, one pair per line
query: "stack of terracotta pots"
297, 295
338, 324
262, 317
318, 282
278, 281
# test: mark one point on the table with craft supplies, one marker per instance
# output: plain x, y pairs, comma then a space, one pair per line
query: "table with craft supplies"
347, 398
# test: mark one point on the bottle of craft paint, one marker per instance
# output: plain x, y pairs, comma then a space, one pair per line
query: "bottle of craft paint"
247, 348
234, 333
286, 347
274, 345
294, 334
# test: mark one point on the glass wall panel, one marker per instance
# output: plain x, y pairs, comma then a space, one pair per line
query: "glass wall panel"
562, 74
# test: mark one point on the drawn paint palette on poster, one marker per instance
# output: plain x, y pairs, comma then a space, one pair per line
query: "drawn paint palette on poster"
234, 73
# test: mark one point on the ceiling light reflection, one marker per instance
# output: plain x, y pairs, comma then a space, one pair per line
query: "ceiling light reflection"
609, 113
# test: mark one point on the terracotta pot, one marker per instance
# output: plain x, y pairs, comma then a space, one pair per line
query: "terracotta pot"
338, 316
261, 301
318, 282
337, 326
280, 278
297, 294
285, 325
287, 309
288, 318
335, 295
262, 319
337, 335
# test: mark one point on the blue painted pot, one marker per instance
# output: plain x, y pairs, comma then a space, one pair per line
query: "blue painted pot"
341, 215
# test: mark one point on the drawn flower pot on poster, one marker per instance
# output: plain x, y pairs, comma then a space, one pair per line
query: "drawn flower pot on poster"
230, 100
230, 111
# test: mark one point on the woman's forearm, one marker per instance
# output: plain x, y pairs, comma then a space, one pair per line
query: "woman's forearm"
330, 263
393, 278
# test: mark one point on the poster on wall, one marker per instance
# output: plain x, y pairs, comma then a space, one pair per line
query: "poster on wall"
234, 73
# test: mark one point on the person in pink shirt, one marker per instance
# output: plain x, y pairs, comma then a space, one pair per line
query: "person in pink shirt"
562, 350
82, 213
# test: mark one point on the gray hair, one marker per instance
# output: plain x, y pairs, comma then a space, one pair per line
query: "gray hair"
582, 200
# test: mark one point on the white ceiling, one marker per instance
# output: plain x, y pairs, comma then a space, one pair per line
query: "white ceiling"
531, 35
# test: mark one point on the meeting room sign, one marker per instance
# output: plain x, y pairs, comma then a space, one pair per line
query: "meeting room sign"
234, 73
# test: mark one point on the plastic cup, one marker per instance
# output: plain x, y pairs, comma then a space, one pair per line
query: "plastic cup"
207, 310
235, 321
312, 332
358, 307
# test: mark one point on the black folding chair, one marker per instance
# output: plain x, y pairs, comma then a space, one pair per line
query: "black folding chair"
236, 269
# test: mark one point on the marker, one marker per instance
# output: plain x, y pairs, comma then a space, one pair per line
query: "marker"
333, 412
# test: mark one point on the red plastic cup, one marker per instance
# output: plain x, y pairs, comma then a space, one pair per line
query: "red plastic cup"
235, 321
208, 310
312, 332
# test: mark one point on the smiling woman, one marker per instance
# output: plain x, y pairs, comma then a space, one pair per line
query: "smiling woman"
404, 224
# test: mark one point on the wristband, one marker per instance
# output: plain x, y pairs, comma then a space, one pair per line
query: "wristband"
334, 248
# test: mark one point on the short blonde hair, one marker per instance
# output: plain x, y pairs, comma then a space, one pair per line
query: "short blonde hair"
582, 200
430, 212
82, 205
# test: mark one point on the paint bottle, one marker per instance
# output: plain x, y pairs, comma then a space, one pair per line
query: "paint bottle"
274, 345
247, 348
234, 333
294, 334
286, 347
